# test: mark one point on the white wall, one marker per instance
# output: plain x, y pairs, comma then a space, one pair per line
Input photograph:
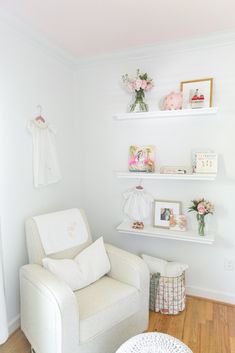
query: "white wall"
105, 144
31, 75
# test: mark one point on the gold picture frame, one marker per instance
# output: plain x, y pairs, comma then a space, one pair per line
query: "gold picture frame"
162, 211
204, 86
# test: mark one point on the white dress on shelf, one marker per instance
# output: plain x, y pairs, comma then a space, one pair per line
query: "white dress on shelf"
45, 162
138, 204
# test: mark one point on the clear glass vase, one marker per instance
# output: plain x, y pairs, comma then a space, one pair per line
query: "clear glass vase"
201, 224
139, 105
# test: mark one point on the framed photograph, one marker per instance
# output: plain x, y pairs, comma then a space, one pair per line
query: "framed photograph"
178, 222
163, 211
141, 159
197, 93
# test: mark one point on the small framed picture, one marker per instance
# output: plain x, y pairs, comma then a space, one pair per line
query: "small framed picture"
163, 210
206, 163
178, 222
197, 93
141, 159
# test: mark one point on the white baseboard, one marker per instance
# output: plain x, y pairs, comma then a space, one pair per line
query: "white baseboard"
14, 324
211, 294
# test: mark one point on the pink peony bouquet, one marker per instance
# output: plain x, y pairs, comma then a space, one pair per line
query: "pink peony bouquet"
140, 84
203, 208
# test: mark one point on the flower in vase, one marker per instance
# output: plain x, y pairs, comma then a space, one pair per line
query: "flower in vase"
140, 84
202, 208
144, 84
149, 86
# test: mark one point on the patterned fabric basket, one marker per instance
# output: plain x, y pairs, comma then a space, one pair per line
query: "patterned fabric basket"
154, 283
167, 294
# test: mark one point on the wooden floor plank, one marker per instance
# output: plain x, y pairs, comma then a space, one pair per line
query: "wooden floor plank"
17, 343
205, 326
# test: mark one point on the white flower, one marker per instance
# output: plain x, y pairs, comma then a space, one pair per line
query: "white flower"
138, 84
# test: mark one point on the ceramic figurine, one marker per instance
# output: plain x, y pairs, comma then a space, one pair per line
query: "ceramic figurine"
173, 101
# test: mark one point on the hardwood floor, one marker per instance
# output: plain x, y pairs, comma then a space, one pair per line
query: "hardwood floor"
205, 326
17, 343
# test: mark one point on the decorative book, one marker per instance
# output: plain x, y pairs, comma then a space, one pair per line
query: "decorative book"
205, 162
141, 159
175, 170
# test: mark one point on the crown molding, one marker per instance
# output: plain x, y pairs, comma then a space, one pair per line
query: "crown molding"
216, 39
37, 39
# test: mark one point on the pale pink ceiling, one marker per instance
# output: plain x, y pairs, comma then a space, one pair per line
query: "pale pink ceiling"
87, 27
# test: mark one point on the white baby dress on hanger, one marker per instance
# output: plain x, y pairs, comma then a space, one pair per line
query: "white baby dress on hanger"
138, 204
45, 163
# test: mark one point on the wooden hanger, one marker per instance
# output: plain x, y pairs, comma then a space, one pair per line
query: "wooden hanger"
39, 117
139, 187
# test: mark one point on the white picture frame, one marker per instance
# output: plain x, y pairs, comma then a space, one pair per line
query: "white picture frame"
162, 212
206, 163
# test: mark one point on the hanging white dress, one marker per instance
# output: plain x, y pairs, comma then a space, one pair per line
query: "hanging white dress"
45, 163
138, 204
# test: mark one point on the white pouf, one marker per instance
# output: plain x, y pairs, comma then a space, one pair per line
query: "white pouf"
153, 342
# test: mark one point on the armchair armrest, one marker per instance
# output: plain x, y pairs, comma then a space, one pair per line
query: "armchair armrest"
49, 311
131, 269
128, 268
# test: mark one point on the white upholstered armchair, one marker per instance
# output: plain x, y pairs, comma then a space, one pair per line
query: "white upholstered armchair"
95, 319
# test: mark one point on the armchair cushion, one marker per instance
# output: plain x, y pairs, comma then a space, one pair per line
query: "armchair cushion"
104, 304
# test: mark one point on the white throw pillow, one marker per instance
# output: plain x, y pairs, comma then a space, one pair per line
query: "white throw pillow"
87, 267
93, 262
66, 270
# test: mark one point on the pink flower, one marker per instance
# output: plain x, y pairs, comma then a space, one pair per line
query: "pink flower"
201, 209
144, 84
149, 85
134, 84
130, 86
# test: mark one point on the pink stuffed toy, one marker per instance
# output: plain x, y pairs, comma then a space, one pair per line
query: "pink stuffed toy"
173, 101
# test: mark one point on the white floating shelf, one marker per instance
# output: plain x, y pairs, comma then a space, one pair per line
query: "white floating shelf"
160, 114
153, 232
133, 175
